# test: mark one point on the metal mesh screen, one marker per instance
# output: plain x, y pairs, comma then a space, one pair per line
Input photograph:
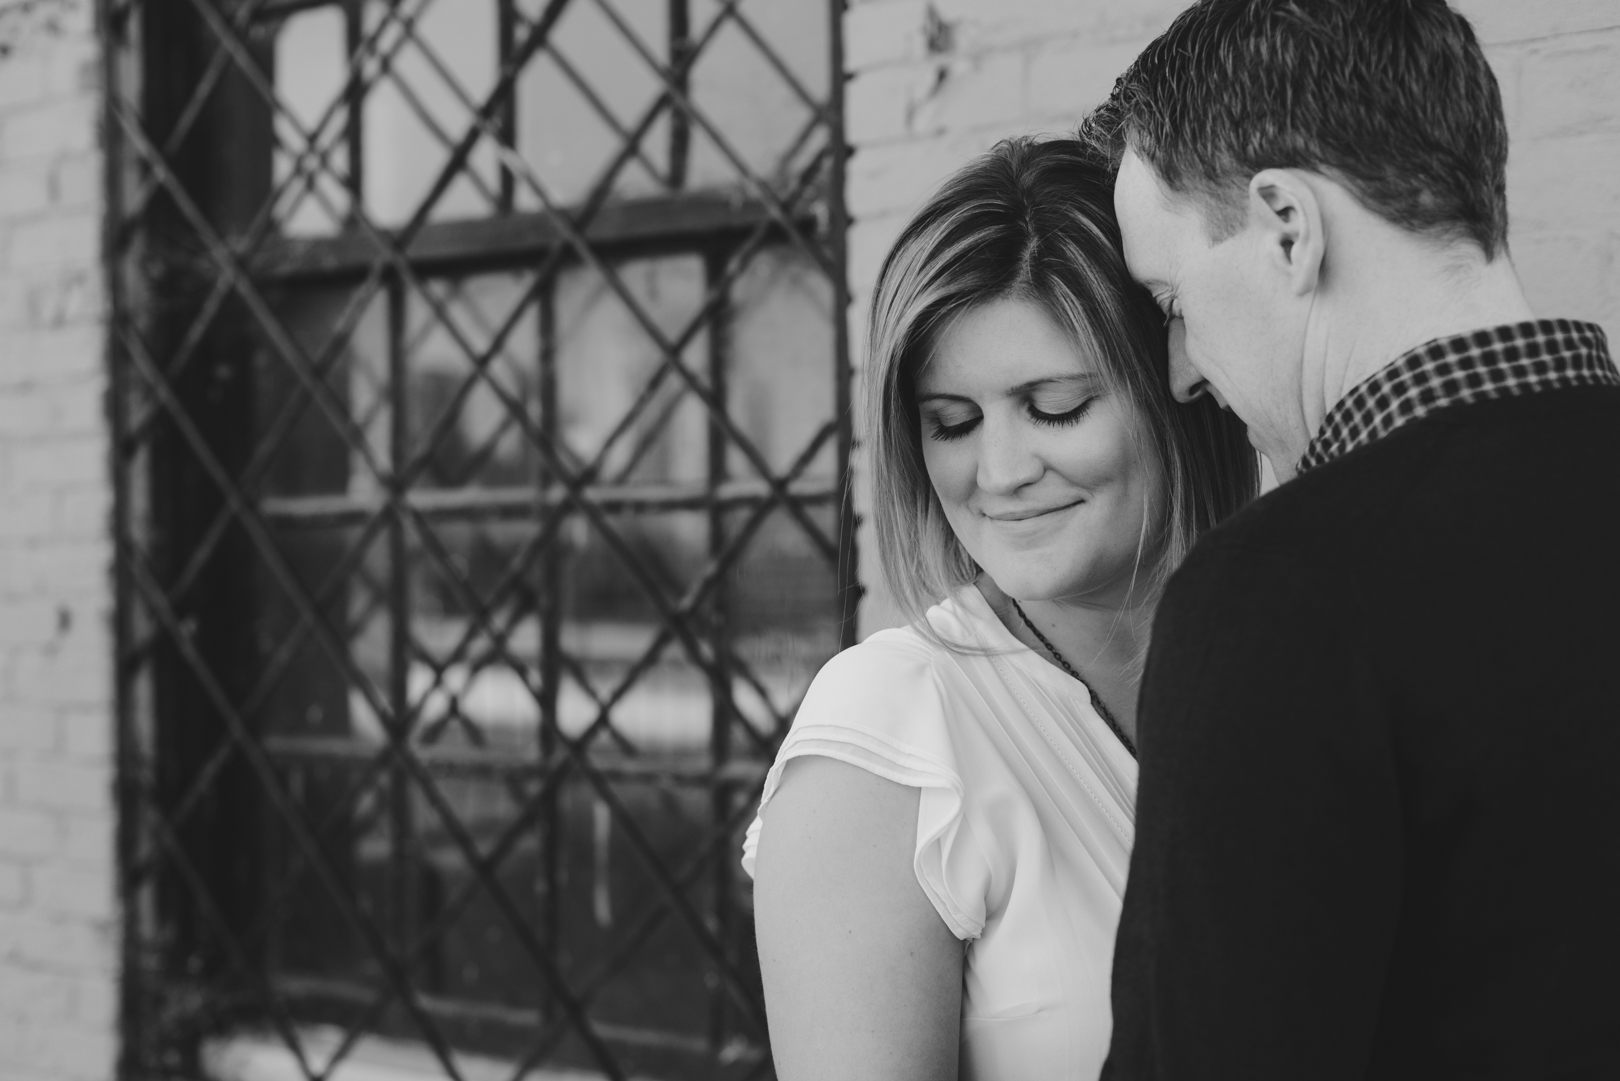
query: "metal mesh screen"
481, 408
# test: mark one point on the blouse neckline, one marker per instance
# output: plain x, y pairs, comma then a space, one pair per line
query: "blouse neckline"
972, 607
975, 610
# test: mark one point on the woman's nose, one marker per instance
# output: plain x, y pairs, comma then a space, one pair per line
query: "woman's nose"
1185, 382
1007, 457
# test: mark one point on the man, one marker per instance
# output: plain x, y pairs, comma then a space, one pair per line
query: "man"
1379, 818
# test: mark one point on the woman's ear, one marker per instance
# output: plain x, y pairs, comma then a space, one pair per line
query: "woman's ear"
1284, 207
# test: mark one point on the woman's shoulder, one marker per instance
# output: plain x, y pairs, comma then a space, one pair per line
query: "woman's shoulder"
896, 653
887, 684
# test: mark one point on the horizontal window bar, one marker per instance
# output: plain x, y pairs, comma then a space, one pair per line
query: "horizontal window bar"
623, 228
271, 10
687, 769
327, 510
296, 989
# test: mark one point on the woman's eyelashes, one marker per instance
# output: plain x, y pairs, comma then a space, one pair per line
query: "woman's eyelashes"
946, 425
1061, 416
946, 428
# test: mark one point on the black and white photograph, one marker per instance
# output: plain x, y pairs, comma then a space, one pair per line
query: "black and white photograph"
809, 540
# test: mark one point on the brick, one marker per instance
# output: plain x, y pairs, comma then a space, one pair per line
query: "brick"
62, 354
26, 832
60, 567
1507, 63
73, 67
869, 244
27, 514
60, 944
82, 514
38, 997
897, 177
64, 126
1571, 87
85, 838
1077, 77
28, 729
71, 296
60, 462
76, 671
74, 238
13, 890
30, 622
24, 80
989, 90
882, 105
76, 182
67, 786
81, 890
85, 735
1564, 183
1514, 20
95, 1003
73, 1053
24, 190
1010, 24
886, 33
1568, 275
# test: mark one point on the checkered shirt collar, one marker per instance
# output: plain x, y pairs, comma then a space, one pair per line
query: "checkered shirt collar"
1501, 362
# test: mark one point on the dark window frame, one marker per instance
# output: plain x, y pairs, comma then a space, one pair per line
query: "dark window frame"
193, 276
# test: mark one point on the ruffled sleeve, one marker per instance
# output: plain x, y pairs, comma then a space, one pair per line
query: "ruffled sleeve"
879, 706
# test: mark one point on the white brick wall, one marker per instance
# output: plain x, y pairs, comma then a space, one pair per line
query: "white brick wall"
1037, 65
58, 912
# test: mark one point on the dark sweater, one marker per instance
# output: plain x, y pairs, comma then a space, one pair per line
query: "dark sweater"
1378, 827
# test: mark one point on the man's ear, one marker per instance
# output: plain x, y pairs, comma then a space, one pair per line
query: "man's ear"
1284, 206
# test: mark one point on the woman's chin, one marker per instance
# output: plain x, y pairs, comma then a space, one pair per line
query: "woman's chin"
1029, 584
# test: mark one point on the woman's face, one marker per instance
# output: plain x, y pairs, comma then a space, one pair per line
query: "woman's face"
1034, 459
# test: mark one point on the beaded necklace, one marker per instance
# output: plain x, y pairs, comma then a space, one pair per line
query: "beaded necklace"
1096, 700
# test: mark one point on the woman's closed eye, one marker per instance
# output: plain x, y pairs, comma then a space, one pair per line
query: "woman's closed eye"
949, 422
1059, 414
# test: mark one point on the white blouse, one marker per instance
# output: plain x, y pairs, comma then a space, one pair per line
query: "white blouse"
1024, 823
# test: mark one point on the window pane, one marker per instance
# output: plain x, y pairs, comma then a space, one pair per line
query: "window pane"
441, 70
578, 99
472, 349
780, 379
750, 103
608, 363
311, 70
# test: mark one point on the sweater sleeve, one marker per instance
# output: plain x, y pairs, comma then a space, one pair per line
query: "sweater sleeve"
1266, 880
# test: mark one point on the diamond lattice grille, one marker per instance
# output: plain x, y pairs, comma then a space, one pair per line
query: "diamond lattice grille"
482, 423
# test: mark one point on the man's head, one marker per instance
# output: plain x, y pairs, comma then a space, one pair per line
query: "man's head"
1254, 133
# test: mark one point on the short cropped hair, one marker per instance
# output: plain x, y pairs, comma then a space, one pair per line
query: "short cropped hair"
1393, 98
1032, 220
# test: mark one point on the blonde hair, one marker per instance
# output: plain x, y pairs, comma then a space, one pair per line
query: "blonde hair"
1033, 220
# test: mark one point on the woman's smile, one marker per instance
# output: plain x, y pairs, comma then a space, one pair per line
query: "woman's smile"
1029, 514
1034, 457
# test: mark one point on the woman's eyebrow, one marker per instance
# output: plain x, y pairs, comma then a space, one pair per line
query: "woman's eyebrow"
1046, 381
940, 395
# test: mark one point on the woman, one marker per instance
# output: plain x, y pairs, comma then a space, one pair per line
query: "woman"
942, 844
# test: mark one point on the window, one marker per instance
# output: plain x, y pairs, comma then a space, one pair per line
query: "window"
481, 401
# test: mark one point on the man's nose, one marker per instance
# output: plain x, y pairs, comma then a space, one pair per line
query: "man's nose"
1185, 382
1007, 460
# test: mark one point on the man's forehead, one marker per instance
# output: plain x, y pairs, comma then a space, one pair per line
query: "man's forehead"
1146, 219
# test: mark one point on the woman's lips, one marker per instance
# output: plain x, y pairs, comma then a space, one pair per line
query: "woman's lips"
1027, 515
